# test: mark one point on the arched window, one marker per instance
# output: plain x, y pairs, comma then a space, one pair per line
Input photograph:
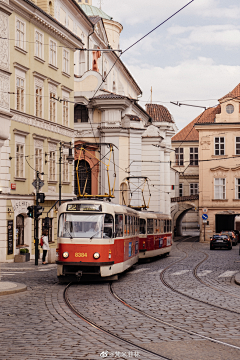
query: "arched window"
84, 172
80, 114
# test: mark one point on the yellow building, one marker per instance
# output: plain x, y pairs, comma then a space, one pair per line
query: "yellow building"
41, 91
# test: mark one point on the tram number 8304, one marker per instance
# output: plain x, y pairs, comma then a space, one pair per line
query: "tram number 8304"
82, 255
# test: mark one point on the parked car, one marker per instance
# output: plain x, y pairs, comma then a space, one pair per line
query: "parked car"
221, 241
232, 235
236, 232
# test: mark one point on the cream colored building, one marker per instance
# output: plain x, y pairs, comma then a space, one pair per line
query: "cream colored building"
42, 116
215, 136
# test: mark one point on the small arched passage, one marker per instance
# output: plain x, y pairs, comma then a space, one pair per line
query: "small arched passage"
177, 216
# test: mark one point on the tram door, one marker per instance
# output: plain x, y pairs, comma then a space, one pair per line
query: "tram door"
19, 230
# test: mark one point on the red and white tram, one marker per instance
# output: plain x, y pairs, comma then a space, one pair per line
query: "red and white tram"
96, 238
155, 234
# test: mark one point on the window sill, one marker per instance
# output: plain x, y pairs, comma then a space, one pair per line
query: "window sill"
39, 59
222, 200
19, 179
219, 156
66, 74
66, 183
52, 182
53, 67
236, 199
20, 50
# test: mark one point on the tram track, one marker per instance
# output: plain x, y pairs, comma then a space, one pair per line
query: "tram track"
102, 329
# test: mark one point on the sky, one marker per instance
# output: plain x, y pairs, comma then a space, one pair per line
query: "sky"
193, 58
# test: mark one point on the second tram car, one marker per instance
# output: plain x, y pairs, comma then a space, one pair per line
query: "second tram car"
155, 234
96, 238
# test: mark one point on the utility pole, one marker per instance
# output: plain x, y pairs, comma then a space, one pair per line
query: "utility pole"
36, 221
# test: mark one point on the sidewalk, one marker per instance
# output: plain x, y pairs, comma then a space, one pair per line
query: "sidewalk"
9, 287
237, 278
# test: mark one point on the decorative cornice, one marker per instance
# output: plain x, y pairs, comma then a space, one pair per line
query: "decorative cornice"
40, 76
53, 82
235, 168
221, 168
20, 67
41, 124
20, 132
67, 89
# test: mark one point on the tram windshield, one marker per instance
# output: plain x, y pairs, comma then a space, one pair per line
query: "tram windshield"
85, 226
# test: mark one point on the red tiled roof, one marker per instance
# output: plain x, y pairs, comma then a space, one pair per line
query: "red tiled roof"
189, 133
235, 93
159, 113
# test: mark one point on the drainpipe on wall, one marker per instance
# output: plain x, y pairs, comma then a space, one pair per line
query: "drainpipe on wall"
88, 42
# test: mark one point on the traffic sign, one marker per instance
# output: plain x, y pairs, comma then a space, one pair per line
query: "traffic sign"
38, 183
204, 221
204, 210
204, 216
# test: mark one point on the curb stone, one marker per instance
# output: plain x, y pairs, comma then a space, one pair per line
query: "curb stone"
237, 278
7, 288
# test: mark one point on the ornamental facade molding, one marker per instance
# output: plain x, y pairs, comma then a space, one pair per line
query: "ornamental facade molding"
4, 91
4, 53
42, 124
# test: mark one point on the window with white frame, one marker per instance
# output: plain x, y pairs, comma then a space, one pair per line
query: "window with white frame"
38, 159
19, 161
180, 190
52, 165
220, 189
65, 61
38, 101
39, 44
237, 145
65, 112
52, 107
20, 93
20, 34
194, 189
193, 156
53, 53
237, 188
179, 156
65, 168
219, 146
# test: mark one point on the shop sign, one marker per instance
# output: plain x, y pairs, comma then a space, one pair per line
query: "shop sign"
10, 237
20, 206
13, 186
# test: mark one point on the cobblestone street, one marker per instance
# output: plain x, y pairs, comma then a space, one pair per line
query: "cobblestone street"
183, 307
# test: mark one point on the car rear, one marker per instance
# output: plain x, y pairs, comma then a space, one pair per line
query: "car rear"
220, 241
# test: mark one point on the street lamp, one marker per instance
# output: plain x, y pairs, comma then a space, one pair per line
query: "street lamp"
70, 159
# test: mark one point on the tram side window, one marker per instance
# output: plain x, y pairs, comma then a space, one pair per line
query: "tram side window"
142, 226
165, 226
155, 225
170, 226
131, 225
119, 225
108, 226
159, 221
126, 227
150, 226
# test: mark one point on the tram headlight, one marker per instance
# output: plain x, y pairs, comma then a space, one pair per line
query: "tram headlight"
96, 255
65, 255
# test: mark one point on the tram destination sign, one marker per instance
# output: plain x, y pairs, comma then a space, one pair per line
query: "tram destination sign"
84, 207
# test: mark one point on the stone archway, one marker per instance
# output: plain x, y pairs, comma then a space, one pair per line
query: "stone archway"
177, 216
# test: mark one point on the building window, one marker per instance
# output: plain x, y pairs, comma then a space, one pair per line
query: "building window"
220, 189
237, 187
65, 61
85, 177
193, 189
20, 93
20, 29
39, 99
194, 156
179, 156
52, 165
237, 145
65, 168
38, 159
80, 114
39, 44
53, 53
180, 190
52, 107
219, 145
65, 112
19, 230
19, 161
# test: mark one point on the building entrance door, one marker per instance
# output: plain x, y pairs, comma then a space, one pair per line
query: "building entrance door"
19, 230
224, 222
